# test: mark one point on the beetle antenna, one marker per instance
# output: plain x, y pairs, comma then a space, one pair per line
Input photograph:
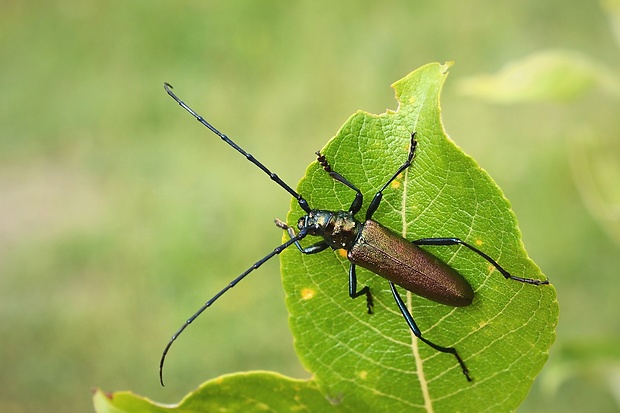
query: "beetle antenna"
301, 235
302, 202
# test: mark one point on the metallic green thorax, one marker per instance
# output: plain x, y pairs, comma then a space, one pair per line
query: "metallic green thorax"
339, 229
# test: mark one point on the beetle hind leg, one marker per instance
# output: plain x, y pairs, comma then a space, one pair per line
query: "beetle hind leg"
457, 241
416, 331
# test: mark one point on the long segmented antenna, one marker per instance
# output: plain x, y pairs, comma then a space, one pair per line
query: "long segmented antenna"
301, 235
302, 202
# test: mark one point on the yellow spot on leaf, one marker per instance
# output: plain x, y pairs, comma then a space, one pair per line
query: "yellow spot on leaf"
307, 293
363, 375
479, 242
342, 252
395, 184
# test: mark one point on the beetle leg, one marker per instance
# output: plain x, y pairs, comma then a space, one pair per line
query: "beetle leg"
356, 205
353, 293
314, 248
311, 249
457, 241
374, 204
416, 331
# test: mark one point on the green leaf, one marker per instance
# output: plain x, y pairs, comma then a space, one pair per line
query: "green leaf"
372, 362
363, 362
554, 75
241, 392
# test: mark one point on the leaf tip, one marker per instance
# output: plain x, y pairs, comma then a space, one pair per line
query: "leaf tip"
446, 67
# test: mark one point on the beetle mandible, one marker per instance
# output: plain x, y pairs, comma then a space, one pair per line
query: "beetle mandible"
369, 245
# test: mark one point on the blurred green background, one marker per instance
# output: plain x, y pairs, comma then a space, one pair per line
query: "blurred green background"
120, 215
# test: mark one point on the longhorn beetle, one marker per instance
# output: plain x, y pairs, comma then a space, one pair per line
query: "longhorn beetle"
369, 245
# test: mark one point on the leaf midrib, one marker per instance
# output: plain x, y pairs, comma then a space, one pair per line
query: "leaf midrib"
423, 382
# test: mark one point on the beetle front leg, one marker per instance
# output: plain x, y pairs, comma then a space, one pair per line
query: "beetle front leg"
416, 331
353, 293
356, 205
311, 249
376, 200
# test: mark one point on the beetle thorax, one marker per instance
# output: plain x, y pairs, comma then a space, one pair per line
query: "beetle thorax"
338, 228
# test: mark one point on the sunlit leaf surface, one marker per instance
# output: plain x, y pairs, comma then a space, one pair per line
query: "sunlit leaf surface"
372, 362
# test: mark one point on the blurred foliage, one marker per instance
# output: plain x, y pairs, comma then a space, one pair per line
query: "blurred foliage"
594, 156
118, 217
550, 75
